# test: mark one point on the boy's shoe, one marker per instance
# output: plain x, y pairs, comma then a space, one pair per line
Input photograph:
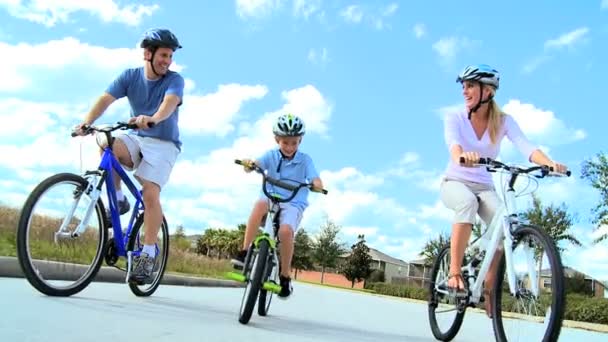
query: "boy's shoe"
238, 262
123, 208
286, 288
143, 265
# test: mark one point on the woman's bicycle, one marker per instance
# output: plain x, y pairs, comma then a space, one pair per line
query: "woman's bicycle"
262, 265
63, 229
528, 298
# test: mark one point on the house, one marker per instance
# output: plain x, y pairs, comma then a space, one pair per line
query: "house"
596, 287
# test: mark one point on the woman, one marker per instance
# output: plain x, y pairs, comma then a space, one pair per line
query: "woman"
469, 190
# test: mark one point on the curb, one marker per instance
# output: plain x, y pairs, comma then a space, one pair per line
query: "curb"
9, 267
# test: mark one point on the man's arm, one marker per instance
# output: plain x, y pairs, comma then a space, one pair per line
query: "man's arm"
103, 102
166, 108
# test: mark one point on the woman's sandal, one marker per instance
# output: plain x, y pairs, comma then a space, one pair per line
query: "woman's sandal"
487, 295
458, 291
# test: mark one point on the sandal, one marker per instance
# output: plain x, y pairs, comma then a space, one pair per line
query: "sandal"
487, 295
459, 292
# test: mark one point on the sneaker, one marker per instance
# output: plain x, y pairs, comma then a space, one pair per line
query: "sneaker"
286, 288
143, 266
238, 262
123, 208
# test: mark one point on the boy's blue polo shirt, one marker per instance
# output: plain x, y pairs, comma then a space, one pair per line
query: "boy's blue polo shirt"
299, 169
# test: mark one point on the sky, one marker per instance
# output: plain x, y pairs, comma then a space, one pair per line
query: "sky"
371, 79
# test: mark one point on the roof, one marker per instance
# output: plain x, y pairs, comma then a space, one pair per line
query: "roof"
379, 256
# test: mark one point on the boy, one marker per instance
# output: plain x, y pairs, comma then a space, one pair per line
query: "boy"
286, 163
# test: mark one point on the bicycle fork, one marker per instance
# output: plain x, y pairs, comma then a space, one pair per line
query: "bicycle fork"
93, 193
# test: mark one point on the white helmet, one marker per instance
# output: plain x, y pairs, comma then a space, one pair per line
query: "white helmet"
289, 125
482, 73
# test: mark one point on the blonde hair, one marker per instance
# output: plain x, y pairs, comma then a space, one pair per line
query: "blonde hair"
495, 116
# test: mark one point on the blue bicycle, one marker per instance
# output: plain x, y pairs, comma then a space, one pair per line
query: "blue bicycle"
63, 231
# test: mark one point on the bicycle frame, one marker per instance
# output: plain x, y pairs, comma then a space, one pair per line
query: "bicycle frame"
96, 180
504, 222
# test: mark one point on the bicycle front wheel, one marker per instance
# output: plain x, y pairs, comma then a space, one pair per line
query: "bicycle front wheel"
535, 311
254, 281
136, 243
445, 312
60, 236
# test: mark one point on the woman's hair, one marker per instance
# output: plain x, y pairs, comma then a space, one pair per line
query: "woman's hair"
495, 116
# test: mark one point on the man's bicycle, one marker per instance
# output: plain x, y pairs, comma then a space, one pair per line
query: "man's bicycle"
262, 265
62, 236
528, 297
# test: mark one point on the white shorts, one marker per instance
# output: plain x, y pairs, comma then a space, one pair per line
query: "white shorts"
153, 159
290, 215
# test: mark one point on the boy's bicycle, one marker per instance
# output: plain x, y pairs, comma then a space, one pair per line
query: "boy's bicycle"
262, 265
523, 287
62, 236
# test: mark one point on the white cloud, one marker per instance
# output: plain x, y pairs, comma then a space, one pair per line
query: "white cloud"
306, 8
355, 231
542, 126
25, 63
419, 30
318, 57
214, 113
356, 14
447, 48
352, 14
256, 8
568, 39
50, 12
535, 63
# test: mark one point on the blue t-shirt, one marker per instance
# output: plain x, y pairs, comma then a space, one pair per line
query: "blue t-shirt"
299, 169
145, 97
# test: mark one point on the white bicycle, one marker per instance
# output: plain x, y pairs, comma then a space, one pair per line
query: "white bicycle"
528, 299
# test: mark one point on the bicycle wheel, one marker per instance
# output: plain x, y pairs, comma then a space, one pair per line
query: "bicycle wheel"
55, 257
271, 274
536, 311
254, 282
136, 243
445, 314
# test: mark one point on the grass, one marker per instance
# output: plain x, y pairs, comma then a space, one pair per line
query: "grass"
180, 261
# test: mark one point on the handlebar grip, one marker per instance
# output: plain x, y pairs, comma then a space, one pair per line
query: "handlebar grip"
238, 161
322, 191
481, 160
134, 126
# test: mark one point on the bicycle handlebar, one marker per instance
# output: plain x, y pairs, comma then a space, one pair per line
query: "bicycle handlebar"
493, 165
119, 125
267, 179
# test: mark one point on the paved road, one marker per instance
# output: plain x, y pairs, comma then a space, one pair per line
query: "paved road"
109, 312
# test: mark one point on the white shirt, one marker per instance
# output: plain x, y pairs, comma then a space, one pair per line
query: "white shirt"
459, 131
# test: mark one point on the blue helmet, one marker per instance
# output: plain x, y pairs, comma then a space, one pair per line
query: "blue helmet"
482, 73
156, 37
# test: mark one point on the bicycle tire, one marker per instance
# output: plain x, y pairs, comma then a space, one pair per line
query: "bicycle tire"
557, 286
265, 297
255, 282
432, 304
23, 225
153, 286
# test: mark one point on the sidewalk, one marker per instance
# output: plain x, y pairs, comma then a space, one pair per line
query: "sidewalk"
9, 267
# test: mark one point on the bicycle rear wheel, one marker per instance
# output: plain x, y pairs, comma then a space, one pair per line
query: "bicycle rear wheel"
445, 314
535, 312
254, 281
136, 243
56, 258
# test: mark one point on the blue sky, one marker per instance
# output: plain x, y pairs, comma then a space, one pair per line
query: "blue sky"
371, 79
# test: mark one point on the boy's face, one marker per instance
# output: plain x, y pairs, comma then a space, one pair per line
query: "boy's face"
288, 145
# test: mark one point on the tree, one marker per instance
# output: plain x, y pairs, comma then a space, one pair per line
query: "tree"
327, 248
302, 254
556, 221
596, 172
433, 247
358, 264
179, 239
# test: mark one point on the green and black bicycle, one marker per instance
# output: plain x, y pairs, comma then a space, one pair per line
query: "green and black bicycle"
262, 264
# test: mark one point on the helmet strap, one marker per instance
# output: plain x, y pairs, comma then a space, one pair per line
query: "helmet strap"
474, 109
151, 60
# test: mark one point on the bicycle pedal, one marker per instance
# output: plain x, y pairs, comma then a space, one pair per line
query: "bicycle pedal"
272, 286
